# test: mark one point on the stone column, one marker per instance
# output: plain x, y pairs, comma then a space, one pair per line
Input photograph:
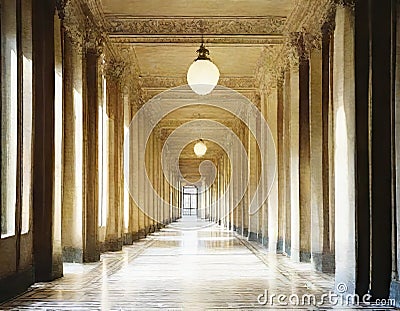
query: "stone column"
218, 191
263, 150
72, 173
148, 187
304, 160
294, 164
234, 190
344, 129
245, 202
271, 116
48, 262
287, 162
281, 177
160, 185
232, 207
322, 258
134, 226
226, 182
127, 209
253, 182
167, 211
115, 132
381, 150
90, 149
157, 169
141, 190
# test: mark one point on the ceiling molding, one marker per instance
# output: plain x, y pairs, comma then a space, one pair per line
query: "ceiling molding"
252, 40
163, 82
155, 26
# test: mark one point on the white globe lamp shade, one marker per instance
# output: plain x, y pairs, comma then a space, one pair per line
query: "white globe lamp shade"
200, 149
202, 76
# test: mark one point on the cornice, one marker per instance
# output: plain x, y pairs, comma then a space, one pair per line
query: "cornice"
190, 39
127, 25
164, 82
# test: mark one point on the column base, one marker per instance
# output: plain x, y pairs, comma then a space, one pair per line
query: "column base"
245, 232
252, 236
152, 229
305, 256
234, 228
93, 257
129, 238
113, 245
279, 246
324, 262
239, 230
141, 233
260, 238
395, 292
147, 230
265, 242
288, 248
72, 254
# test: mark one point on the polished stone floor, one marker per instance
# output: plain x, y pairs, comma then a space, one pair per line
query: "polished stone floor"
188, 266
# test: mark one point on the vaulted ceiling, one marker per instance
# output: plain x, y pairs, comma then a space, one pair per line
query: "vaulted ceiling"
163, 36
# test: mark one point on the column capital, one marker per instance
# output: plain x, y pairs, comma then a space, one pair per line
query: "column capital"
73, 22
60, 6
345, 3
114, 69
93, 41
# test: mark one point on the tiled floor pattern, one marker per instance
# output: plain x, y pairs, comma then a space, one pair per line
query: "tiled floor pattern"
179, 269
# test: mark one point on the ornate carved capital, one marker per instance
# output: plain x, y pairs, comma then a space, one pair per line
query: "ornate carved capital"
60, 6
347, 3
114, 69
298, 47
93, 40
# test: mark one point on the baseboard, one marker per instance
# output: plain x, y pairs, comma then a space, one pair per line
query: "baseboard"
16, 284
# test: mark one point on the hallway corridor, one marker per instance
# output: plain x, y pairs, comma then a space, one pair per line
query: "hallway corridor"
209, 268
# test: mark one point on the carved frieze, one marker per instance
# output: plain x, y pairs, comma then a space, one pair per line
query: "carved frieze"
161, 82
269, 25
185, 39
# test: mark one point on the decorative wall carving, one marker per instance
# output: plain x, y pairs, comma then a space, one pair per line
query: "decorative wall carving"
114, 69
161, 82
270, 25
184, 39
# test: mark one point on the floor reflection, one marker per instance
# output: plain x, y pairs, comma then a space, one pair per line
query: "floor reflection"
177, 268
